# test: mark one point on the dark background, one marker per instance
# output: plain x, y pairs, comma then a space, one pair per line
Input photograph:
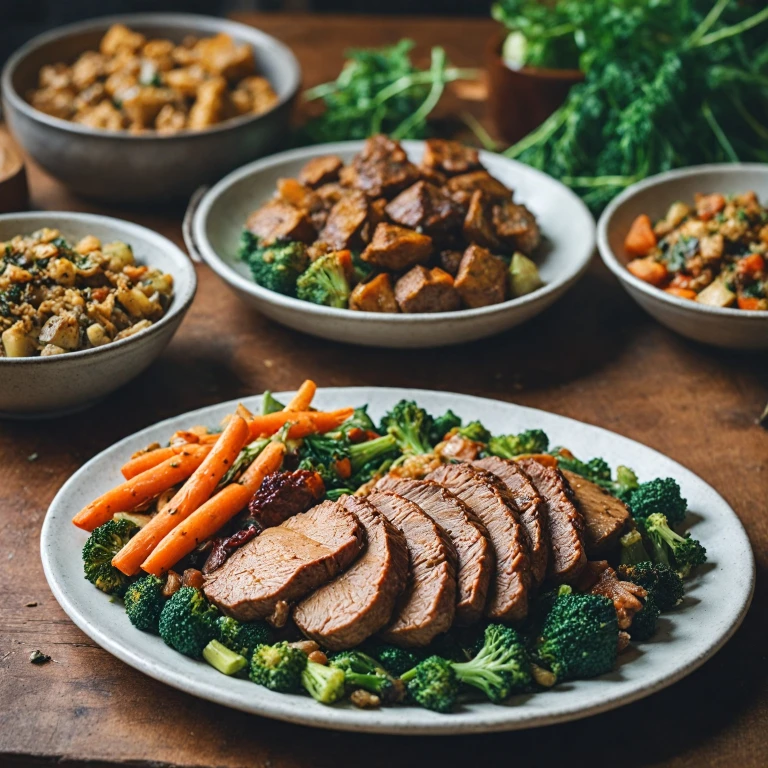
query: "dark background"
22, 19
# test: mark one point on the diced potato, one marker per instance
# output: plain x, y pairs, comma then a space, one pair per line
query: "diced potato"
159, 281
136, 303
119, 38
523, 275
120, 255
16, 343
62, 330
716, 294
63, 271
88, 244
49, 350
96, 335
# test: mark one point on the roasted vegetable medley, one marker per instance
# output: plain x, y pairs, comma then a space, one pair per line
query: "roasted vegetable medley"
713, 252
382, 234
418, 560
56, 297
135, 84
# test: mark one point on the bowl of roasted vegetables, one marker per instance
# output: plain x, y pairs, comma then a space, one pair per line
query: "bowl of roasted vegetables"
86, 303
394, 244
148, 106
375, 559
691, 247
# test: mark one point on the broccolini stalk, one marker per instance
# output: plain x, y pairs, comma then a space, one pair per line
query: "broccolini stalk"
222, 659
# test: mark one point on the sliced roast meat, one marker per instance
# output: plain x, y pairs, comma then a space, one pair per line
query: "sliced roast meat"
428, 605
529, 504
485, 495
476, 560
286, 562
565, 525
604, 515
359, 602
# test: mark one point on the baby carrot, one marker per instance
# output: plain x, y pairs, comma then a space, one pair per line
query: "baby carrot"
145, 461
322, 421
212, 515
303, 397
192, 494
140, 489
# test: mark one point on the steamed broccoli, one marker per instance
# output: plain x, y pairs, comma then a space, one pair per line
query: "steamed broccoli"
395, 660
242, 637
500, 668
579, 637
598, 471
323, 683
509, 446
410, 425
474, 431
325, 281
670, 548
102, 545
644, 621
188, 622
224, 659
442, 425
144, 601
433, 684
363, 671
632, 548
358, 420
278, 667
658, 579
276, 267
662, 496
625, 483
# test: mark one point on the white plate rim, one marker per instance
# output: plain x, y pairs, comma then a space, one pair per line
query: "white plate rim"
478, 718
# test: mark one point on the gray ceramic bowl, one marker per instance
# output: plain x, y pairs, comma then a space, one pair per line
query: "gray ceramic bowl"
48, 386
721, 327
121, 167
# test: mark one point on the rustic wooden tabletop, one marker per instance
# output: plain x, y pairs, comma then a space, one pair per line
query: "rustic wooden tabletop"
594, 356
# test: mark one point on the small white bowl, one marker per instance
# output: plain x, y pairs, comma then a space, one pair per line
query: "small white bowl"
567, 226
718, 326
33, 387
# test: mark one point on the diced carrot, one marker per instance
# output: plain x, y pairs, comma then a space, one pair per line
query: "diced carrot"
749, 302
196, 491
752, 265
640, 239
682, 293
707, 206
680, 280
303, 397
344, 468
648, 270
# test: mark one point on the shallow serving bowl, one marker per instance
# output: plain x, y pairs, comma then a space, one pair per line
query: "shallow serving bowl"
566, 224
48, 386
719, 326
119, 166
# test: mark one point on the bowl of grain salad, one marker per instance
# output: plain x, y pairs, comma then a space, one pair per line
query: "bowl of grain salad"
86, 304
147, 107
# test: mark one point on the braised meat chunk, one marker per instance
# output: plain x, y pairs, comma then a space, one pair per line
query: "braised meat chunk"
381, 169
426, 208
516, 227
426, 290
450, 157
321, 170
482, 278
478, 223
346, 219
376, 295
397, 248
450, 260
626, 596
462, 187
277, 220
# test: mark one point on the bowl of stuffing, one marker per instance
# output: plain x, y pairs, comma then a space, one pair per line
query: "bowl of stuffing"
86, 304
691, 248
148, 107
390, 244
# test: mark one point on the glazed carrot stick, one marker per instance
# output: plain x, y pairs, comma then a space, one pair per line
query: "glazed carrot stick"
150, 459
131, 494
303, 397
322, 421
192, 494
212, 515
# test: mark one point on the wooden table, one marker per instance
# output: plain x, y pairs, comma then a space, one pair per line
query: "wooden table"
594, 356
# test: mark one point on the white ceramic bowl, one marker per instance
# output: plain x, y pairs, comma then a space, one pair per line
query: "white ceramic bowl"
141, 168
567, 225
721, 327
48, 386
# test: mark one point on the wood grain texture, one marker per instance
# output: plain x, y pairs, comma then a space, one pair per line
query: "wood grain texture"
594, 356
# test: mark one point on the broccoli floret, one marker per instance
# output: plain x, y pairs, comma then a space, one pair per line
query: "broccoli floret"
509, 446
223, 659
325, 281
670, 548
242, 637
500, 668
276, 267
645, 620
433, 684
395, 660
442, 425
580, 636
363, 671
269, 404
325, 684
661, 496
144, 602
625, 483
362, 454
102, 545
278, 667
596, 469
410, 426
188, 622
632, 548
474, 431
358, 420
658, 580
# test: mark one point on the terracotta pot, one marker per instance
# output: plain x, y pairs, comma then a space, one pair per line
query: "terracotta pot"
521, 100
